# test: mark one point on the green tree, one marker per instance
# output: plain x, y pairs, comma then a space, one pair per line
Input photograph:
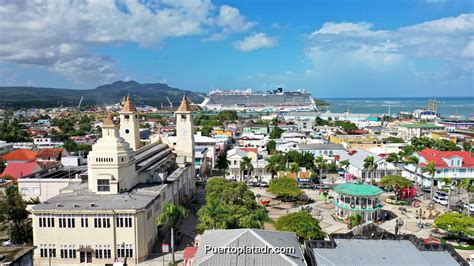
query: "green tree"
170, 215
14, 215
307, 160
276, 133
430, 169
394, 140
467, 146
320, 122
237, 207
206, 130
302, 223
346, 126
321, 165
345, 164
457, 224
284, 187
272, 165
213, 215
294, 168
355, 220
2, 165
371, 166
395, 183
246, 166
271, 146
222, 162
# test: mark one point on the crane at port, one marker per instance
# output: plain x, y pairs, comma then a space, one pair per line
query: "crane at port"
80, 102
171, 103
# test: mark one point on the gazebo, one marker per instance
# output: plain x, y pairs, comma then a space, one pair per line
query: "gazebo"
363, 199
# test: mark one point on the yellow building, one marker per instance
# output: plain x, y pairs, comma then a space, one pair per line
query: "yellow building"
112, 215
340, 139
438, 135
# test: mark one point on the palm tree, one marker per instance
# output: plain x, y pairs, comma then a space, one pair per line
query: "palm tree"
344, 164
171, 213
394, 159
321, 164
370, 165
415, 161
222, 163
246, 165
294, 168
272, 165
431, 170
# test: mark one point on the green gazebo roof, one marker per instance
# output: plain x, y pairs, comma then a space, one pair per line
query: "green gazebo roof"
355, 189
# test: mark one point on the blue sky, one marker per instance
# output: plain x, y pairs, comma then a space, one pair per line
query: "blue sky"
332, 48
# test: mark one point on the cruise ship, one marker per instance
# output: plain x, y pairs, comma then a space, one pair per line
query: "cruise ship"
256, 101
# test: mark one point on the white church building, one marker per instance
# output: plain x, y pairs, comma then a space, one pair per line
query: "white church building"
111, 215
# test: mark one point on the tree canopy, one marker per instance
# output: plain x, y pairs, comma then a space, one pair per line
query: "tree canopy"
419, 144
13, 214
229, 205
271, 146
456, 223
276, 133
395, 183
284, 187
302, 223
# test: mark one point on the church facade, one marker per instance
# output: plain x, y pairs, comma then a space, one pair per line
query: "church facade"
111, 215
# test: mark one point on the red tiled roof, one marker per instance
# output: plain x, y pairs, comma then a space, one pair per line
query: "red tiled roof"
437, 157
17, 170
254, 150
49, 153
20, 155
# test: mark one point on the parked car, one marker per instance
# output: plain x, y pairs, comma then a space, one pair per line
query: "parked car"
264, 184
440, 200
469, 207
442, 194
341, 172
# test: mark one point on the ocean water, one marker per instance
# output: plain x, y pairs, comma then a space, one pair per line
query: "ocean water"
447, 106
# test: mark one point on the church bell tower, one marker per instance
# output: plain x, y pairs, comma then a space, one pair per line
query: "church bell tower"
185, 131
129, 127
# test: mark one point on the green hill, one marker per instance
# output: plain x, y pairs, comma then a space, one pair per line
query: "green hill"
153, 94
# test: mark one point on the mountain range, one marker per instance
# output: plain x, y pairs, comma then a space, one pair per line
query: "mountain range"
153, 94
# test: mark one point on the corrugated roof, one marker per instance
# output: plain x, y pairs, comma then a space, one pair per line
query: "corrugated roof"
248, 238
379, 252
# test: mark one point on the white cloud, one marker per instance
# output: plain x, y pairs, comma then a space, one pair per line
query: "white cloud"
336, 28
445, 40
58, 34
255, 41
230, 20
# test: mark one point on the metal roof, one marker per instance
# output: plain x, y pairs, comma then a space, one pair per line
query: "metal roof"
248, 238
379, 252
356, 189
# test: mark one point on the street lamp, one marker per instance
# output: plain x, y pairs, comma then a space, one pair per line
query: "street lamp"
419, 215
